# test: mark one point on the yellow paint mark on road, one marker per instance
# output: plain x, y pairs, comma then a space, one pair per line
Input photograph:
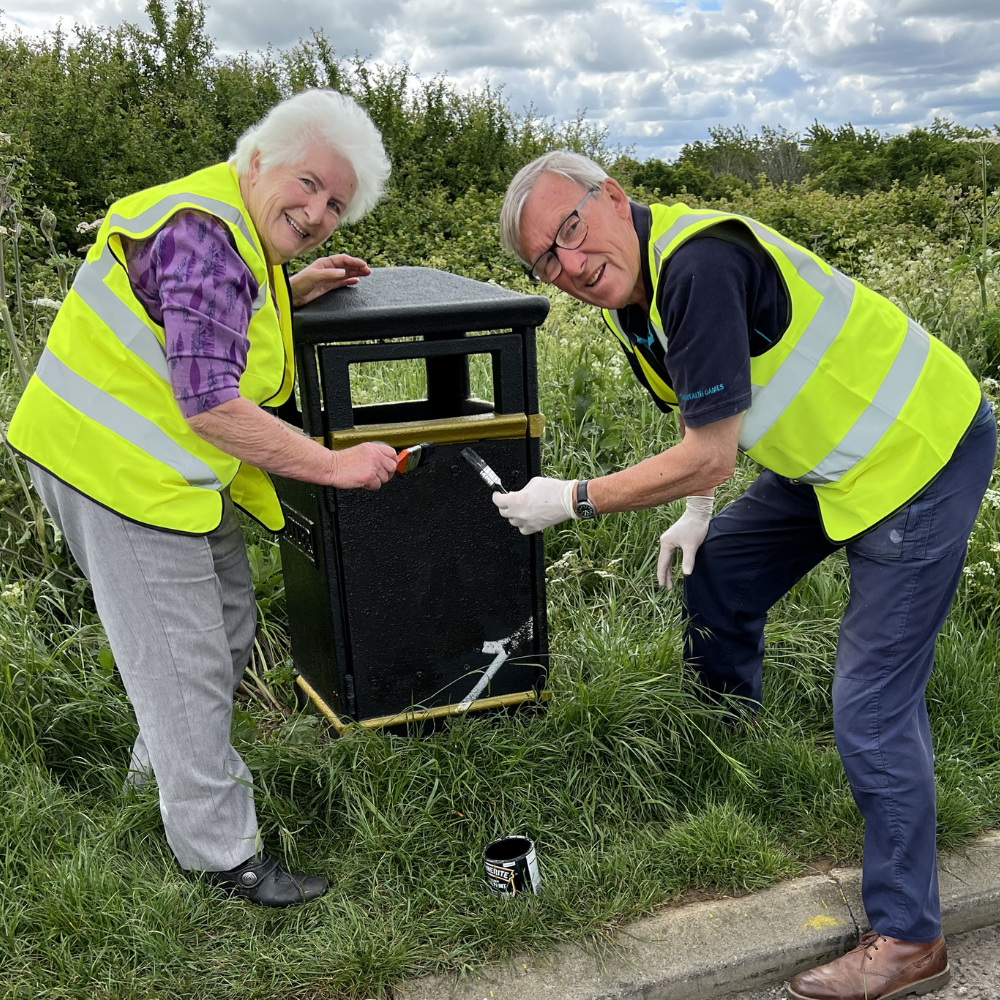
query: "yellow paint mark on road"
820, 922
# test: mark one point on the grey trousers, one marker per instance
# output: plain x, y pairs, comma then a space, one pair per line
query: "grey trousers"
180, 616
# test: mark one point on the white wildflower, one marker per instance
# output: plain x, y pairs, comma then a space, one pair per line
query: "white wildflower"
5, 138
986, 140
565, 561
87, 227
46, 303
13, 593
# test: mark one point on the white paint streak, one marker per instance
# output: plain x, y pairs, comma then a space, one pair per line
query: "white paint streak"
501, 648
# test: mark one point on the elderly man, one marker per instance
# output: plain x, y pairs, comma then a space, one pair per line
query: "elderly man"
873, 436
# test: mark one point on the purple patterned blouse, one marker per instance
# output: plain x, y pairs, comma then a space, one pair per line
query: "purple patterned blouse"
194, 284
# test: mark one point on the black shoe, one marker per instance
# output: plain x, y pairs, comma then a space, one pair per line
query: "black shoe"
263, 881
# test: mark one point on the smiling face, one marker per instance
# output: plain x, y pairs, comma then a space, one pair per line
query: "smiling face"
296, 208
605, 269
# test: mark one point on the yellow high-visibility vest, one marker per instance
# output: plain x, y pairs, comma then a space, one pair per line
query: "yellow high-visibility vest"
99, 412
855, 399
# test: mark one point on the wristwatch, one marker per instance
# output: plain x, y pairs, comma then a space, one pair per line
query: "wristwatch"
584, 508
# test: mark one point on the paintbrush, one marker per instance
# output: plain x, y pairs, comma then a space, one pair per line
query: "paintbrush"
486, 474
409, 458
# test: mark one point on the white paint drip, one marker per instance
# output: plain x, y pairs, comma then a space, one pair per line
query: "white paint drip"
501, 649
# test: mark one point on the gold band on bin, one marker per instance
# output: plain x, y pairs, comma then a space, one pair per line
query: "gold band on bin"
449, 430
536, 424
419, 715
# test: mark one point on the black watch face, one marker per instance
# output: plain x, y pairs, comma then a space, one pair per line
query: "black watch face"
585, 510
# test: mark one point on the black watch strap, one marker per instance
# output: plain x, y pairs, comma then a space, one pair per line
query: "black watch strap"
584, 508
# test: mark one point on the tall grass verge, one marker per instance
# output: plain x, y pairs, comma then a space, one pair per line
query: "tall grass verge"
634, 790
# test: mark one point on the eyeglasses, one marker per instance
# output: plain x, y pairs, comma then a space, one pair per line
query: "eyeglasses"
570, 236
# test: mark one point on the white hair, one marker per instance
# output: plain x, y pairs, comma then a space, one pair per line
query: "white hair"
283, 137
563, 162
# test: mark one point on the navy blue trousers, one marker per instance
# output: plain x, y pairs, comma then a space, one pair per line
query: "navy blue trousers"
904, 574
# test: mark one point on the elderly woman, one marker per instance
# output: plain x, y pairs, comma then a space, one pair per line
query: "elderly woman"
143, 426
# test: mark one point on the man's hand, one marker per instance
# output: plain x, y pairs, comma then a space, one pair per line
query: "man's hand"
325, 274
367, 466
686, 533
541, 504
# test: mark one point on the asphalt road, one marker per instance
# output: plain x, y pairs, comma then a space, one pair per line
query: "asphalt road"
975, 970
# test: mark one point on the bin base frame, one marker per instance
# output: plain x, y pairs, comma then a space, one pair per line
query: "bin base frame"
421, 715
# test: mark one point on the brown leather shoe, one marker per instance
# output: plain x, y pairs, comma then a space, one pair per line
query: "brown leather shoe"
880, 968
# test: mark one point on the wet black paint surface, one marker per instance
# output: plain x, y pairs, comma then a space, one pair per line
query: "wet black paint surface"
392, 594
431, 573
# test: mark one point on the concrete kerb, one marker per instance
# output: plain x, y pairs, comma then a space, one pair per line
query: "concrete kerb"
706, 950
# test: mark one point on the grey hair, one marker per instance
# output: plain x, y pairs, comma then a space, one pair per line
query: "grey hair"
573, 166
284, 134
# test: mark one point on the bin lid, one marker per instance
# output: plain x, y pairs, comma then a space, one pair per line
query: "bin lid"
412, 301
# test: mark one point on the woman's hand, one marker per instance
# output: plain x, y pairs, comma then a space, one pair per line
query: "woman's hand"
242, 429
367, 466
325, 274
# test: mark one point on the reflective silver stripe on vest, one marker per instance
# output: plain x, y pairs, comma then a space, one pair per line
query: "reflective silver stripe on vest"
677, 228
115, 416
258, 303
622, 335
786, 383
880, 413
837, 291
808, 268
149, 217
126, 326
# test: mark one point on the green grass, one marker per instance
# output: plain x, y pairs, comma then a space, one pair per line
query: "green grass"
634, 791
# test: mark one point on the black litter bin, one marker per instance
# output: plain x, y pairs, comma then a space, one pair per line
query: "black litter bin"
418, 600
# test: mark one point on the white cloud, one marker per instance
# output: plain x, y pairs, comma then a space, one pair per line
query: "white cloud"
656, 72
241, 25
952, 9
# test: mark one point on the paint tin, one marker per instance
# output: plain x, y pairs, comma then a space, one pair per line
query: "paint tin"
511, 866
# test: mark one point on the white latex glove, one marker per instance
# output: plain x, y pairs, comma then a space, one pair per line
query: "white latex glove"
541, 504
686, 533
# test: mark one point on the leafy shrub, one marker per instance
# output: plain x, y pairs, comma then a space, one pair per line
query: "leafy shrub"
635, 791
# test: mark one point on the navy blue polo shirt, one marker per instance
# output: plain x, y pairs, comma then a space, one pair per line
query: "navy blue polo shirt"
721, 302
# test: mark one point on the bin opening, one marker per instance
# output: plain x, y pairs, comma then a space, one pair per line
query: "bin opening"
380, 383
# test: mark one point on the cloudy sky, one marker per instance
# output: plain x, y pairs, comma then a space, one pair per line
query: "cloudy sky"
657, 73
